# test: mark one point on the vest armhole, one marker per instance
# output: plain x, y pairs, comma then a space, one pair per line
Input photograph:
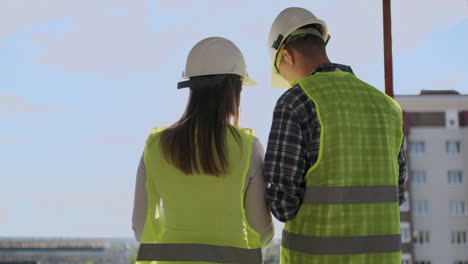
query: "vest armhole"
249, 133
322, 129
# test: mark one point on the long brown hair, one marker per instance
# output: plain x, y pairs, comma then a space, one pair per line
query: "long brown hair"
197, 142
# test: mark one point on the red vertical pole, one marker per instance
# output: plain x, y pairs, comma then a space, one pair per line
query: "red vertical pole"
387, 34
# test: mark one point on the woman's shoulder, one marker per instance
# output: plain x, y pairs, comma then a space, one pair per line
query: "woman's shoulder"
249, 132
156, 130
246, 131
155, 133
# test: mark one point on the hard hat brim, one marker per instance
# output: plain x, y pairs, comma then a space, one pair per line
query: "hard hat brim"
248, 82
277, 81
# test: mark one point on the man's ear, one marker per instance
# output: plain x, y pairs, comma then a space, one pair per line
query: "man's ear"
288, 57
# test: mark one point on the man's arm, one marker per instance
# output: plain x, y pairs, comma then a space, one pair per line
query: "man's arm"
285, 164
402, 162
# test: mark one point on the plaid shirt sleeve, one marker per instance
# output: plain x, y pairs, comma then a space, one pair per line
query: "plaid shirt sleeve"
285, 163
402, 162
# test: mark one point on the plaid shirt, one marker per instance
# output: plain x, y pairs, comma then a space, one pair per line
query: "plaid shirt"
293, 148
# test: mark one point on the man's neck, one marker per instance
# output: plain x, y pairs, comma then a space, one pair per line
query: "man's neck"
311, 65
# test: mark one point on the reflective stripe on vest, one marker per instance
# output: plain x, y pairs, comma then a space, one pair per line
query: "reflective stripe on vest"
351, 194
198, 252
341, 245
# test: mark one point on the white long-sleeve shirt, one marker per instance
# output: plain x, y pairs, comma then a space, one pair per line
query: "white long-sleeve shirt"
256, 209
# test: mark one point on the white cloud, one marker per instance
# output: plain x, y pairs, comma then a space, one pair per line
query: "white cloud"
146, 35
99, 41
114, 139
449, 81
9, 140
100, 214
18, 15
111, 47
356, 26
17, 105
96, 121
61, 201
413, 21
210, 5
3, 213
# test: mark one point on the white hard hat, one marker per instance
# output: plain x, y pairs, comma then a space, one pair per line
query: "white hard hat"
215, 56
288, 21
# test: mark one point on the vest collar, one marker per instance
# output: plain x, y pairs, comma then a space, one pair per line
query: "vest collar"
331, 67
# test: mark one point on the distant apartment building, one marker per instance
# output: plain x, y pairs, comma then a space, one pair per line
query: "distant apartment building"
66, 251
436, 217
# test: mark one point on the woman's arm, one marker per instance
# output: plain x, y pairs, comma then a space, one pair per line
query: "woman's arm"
140, 203
256, 209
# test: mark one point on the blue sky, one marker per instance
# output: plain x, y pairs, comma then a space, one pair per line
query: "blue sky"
83, 82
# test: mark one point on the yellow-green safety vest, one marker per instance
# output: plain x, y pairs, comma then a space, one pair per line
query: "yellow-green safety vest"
350, 211
198, 218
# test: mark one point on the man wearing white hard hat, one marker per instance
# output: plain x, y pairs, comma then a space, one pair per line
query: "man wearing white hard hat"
200, 192
335, 162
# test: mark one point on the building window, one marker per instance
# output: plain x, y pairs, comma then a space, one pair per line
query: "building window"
417, 147
453, 147
405, 258
460, 262
418, 177
455, 177
457, 207
421, 237
459, 237
452, 119
422, 262
405, 206
420, 207
405, 232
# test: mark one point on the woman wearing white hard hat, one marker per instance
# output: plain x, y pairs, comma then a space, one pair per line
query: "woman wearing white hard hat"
200, 191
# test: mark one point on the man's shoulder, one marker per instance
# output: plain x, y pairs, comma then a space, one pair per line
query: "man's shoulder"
292, 98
